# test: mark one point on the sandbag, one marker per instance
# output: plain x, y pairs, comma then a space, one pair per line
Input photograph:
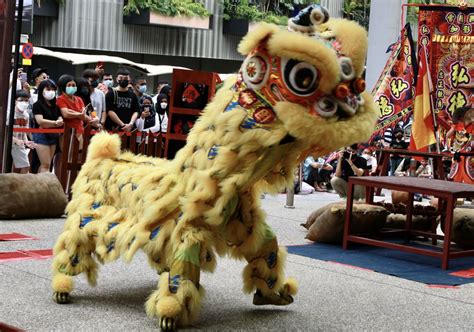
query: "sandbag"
462, 232
329, 226
315, 215
399, 197
419, 223
28, 196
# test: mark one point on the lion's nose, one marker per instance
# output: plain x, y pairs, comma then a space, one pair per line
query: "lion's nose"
358, 85
341, 91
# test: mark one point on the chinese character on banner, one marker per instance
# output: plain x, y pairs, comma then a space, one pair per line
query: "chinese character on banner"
394, 91
448, 35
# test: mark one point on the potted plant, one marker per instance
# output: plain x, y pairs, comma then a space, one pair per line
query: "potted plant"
48, 8
180, 13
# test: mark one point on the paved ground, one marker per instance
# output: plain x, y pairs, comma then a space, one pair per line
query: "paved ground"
332, 297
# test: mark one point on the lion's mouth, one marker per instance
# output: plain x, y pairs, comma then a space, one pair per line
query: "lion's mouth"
328, 106
350, 104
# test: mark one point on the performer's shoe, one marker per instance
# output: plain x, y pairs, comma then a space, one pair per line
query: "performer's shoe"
61, 298
167, 324
274, 299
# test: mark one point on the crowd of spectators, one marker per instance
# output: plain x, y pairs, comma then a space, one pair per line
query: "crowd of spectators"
331, 173
95, 99
121, 103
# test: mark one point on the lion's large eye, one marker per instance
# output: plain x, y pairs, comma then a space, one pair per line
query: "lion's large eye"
347, 69
326, 107
300, 77
255, 70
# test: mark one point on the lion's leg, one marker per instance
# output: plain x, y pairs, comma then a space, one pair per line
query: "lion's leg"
72, 254
265, 274
251, 238
178, 298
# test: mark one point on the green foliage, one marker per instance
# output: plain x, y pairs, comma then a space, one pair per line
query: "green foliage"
275, 19
271, 11
167, 7
241, 10
358, 10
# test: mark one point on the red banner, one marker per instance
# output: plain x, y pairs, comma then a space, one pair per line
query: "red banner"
448, 34
394, 91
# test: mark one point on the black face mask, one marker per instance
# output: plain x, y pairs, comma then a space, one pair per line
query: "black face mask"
123, 83
95, 84
84, 91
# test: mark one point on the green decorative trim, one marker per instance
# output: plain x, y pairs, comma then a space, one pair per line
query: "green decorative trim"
190, 255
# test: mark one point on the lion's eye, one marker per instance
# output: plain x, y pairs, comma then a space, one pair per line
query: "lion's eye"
326, 107
300, 77
347, 69
255, 71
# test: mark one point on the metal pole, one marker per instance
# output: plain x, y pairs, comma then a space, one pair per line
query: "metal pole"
7, 157
7, 19
290, 198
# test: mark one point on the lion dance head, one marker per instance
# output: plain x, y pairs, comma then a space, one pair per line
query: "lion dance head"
309, 77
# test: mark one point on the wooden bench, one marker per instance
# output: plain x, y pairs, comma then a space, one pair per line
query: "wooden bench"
447, 192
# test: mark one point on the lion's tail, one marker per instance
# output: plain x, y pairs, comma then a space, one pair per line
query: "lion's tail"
104, 146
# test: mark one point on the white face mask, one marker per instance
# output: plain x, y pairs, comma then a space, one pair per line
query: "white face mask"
163, 105
108, 83
22, 105
49, 94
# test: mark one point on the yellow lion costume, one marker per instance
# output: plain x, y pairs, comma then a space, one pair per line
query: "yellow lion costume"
297, 91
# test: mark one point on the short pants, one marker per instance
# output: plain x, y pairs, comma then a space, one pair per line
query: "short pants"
46, 139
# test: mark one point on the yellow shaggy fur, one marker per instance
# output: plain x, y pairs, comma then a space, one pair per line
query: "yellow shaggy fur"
206, 202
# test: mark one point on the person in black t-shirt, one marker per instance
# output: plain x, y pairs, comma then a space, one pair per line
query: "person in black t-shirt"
47, 116
121, 104
349, 164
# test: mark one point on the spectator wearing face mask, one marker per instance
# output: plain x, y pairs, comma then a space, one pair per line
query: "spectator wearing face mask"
166, 90
37, 76
72, 107
162, 107
371, 160
47, 115
21, 144
140, 87
121, 104
97, 97
107, 83
83, 90
149, 119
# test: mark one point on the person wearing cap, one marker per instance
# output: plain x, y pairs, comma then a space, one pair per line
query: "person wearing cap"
21, 144
37, 76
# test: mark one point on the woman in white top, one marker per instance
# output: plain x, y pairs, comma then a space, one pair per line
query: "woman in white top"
150, 120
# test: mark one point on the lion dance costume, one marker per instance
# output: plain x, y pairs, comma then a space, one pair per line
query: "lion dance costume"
298, 91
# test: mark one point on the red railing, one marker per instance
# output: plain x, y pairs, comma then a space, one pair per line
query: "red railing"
73, 157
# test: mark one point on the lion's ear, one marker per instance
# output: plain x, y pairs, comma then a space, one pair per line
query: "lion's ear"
256, 37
